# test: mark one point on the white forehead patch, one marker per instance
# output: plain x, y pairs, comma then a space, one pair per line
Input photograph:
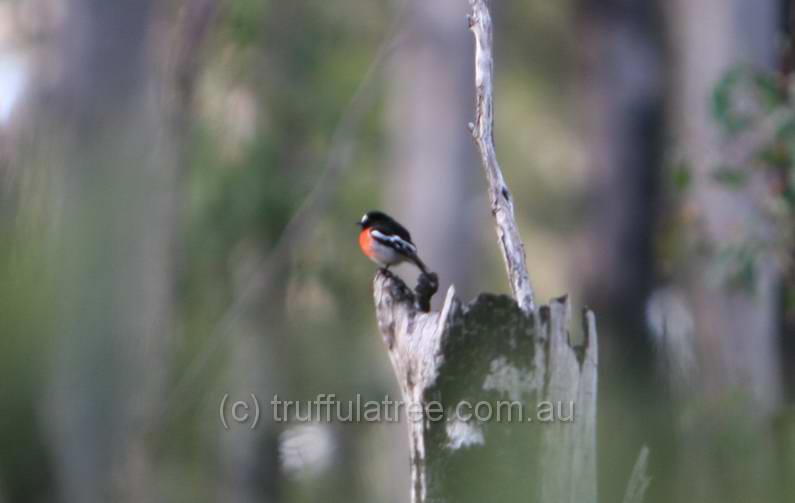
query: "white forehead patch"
364, 218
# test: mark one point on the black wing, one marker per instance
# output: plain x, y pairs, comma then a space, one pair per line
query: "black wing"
390, 226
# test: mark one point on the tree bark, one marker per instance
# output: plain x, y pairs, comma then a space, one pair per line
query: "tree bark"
491, 352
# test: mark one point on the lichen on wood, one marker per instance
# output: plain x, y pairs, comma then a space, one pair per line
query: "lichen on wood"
489, 353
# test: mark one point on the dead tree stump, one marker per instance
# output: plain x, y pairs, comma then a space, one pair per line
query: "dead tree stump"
500, 398
499, 403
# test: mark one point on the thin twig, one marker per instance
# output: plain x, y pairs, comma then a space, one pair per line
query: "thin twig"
639, 480
483, 134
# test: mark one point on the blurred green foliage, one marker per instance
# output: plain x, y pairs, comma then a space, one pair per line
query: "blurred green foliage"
755, 109
277, 84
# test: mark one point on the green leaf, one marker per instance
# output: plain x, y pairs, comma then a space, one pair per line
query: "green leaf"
731, 177
736, 266
727, 117
786, 131
681, 176
768, 90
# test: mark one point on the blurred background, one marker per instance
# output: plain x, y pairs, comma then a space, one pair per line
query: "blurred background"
179, 181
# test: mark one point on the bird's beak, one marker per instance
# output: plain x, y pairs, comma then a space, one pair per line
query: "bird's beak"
357, 223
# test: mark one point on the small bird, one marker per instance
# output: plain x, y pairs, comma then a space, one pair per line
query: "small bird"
386, 242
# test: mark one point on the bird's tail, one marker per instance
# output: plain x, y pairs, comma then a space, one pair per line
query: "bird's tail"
419, 263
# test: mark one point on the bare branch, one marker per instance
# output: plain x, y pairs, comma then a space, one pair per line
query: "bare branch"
483, 134
639, 480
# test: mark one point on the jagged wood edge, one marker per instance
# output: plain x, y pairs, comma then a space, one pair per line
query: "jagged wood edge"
416, 345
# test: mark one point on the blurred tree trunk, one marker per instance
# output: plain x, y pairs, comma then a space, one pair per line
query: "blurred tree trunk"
788, 286
249, 465
432, 182
735, 330
621, 93
119, 107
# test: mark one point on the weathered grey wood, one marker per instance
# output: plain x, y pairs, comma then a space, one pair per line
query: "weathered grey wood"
569, 468
482, 129
491, 352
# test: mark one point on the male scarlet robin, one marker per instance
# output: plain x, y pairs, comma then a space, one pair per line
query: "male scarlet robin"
386, 242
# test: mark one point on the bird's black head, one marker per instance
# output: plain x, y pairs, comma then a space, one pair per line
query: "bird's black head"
372, 218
